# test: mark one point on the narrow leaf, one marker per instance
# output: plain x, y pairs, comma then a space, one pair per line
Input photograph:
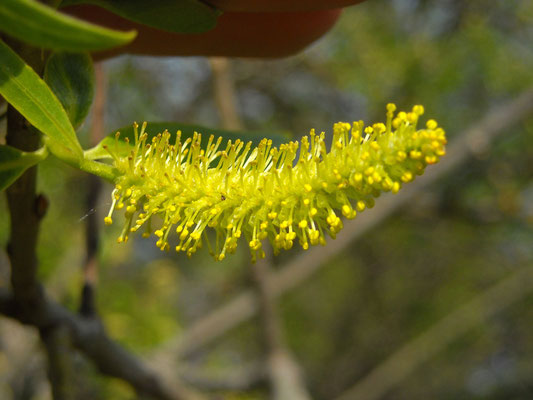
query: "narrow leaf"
123, 147
71, 78
42, 26
179, 16
29, 94
14, 162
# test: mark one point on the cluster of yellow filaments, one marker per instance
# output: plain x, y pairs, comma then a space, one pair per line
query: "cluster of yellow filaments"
267, 193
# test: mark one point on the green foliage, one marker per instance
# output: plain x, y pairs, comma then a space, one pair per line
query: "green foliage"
14, 162
42, 26
71, 78
180, 16
29, 94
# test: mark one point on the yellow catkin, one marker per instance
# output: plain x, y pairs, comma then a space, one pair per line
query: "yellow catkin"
267, 193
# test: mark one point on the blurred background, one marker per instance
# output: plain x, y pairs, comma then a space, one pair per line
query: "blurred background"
433, 299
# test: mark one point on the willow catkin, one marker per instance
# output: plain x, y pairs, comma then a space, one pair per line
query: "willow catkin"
266, 193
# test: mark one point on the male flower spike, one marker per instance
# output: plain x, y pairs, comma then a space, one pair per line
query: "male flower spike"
266, 193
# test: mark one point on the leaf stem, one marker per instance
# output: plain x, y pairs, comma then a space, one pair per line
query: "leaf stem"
86, 164
102, 170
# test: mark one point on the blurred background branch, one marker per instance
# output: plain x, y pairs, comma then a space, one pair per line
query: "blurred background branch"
94, 190
89, 336
284, 374
416, 352
224, 93
472, 142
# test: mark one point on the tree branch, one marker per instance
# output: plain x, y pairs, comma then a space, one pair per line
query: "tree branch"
58, 345
90, 337
472, 142
25, 217
243, 378
26, 210
94, 184
28, 304
410, 356
224, 93
284, 373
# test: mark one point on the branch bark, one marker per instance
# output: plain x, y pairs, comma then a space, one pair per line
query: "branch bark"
23, 204
94, 188
474, 141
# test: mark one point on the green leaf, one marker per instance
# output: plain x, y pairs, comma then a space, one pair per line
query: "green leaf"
71, 78
14, 162
23, 89
179, 16
123, 148
42, 26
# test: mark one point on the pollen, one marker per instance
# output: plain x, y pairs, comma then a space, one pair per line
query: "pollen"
296, 193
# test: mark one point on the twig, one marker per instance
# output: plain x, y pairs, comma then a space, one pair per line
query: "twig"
61, 371
473, 141
94, 184
3, 108
27, 209
23, 206
419, 350
243, 378
284, 373
224, 93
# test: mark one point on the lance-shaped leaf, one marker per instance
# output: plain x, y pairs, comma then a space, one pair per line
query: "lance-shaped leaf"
123, 145
14, 162
42, 26
29, 94
180, 16
71, 78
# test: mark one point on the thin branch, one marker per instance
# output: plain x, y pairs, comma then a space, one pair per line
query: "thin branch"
224, 92
90, 337
27, 302
26, 210
473, 142
94, 188
61, 371
271, 324
413, 354
23, 204
284, 373
243, 378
